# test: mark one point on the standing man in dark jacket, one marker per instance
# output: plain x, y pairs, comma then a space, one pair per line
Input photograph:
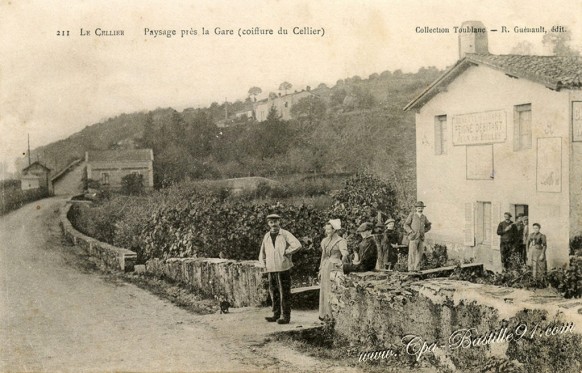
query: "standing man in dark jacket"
508, 232
367, 251
416, 225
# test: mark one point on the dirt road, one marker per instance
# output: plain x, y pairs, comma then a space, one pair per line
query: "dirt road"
54, 316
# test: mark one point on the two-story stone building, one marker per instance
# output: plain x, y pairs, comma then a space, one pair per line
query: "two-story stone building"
499, 133
282, 104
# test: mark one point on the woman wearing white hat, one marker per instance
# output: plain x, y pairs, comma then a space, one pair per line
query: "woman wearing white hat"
333, 250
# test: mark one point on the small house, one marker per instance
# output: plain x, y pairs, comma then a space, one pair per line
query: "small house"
108, 167
36, 175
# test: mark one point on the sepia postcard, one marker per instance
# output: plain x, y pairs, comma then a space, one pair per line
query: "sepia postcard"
262, 185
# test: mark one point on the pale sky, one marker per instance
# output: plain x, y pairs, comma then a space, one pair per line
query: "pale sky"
53, 86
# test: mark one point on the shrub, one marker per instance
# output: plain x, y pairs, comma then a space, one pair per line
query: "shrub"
12, 197
197, 220
132, 184
576, 245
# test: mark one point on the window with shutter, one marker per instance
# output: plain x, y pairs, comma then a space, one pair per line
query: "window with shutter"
522, 127
469, 224
495, 220
440, 135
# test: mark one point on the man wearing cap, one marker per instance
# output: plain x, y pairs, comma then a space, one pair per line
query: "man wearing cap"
275, 256
507, 232
416, 225
390, 241
367, 251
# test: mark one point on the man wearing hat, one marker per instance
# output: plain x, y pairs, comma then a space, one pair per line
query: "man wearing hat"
416, 225
507, 231
275, 256
367, 251
390, 241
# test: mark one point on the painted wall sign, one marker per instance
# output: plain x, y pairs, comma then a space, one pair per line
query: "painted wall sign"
576, 120
549, 164
480, 128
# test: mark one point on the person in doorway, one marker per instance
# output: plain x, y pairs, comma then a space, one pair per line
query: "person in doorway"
275, 256
525, 237
537, 245
520, 241
367, 253
507, 232
390, 241
416, 225
334, 251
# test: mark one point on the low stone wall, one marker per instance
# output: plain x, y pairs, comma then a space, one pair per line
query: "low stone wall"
111, 257
242, 283
439, 321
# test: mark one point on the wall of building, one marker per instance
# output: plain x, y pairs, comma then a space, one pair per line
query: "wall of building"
28, 183
41, 172
283, 105
117, 170
71, 182
575, 174
442, 179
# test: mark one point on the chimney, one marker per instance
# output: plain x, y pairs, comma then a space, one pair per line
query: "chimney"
472, 38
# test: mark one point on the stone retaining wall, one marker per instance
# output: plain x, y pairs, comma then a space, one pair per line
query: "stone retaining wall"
111, 257
242, 283
376, 311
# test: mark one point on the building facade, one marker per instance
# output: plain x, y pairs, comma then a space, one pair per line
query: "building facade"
501, 133
108, 167
282, 104
35, 170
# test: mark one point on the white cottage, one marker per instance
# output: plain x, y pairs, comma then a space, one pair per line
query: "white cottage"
500, 133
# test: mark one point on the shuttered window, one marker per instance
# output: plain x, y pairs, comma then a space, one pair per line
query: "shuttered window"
440, 135
522, 125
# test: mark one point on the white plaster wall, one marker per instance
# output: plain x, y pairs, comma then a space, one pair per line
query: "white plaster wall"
441, 180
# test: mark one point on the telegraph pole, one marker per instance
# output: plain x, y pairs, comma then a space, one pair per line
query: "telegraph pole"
29, 149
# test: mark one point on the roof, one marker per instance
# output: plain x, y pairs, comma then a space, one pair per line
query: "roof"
36, 163
122, 155
68, 168
555, 72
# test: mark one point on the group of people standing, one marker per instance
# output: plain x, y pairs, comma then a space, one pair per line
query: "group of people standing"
517, 244
378, 249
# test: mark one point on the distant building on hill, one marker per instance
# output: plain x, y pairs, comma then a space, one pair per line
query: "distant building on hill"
108, 167
35, 176
283, 104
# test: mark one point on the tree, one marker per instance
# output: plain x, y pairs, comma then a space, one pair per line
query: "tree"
255, 91
309, 110
272, 95
132, 184
559, 42
322, 86
285, 86
338, 96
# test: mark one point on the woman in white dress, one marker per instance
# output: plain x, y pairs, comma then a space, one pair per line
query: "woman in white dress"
333, 250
